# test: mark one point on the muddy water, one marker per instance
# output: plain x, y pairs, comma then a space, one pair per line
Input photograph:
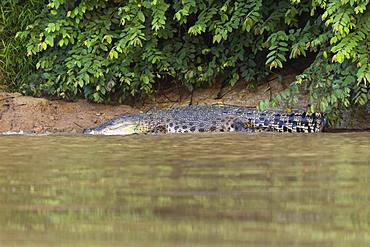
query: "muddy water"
186, 190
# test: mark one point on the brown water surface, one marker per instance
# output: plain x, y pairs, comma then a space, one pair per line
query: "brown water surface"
186, 190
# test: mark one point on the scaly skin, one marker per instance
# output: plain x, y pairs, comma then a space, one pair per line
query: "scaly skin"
211, 119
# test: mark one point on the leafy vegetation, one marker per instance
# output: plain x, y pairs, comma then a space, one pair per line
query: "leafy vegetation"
101, 49
15, 67
340, 75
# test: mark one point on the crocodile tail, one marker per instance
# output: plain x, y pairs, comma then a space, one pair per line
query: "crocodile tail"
319, 121
308, 122
304, 122
281, 122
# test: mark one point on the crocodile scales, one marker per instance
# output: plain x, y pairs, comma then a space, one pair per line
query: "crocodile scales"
215, 118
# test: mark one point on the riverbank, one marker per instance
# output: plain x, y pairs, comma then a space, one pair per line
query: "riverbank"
26, 114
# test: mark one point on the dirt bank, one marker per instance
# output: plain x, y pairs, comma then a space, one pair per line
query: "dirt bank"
37, 115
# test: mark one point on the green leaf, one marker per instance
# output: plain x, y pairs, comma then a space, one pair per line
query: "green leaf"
49, 40
113, 54
141, 16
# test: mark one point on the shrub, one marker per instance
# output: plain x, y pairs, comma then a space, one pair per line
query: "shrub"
100, 48
340, 75
15, 15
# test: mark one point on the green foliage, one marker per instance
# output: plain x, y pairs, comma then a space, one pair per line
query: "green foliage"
15, 16
104, 48
340, 75
101, 49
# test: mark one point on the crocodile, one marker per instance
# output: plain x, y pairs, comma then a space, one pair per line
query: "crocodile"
215, 118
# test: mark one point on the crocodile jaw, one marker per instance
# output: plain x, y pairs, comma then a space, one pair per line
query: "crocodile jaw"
124, 128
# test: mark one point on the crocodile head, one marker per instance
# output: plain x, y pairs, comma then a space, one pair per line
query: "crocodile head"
119, 126
125, 128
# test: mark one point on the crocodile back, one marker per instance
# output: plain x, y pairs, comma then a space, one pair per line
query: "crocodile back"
229, 119
213, 119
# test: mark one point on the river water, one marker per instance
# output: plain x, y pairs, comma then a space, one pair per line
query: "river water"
186, 190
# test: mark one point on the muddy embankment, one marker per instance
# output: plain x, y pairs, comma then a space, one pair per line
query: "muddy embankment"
38, 115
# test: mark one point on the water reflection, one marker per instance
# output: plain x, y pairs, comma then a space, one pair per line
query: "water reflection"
186, 190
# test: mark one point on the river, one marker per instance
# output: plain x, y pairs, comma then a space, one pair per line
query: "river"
186, 190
